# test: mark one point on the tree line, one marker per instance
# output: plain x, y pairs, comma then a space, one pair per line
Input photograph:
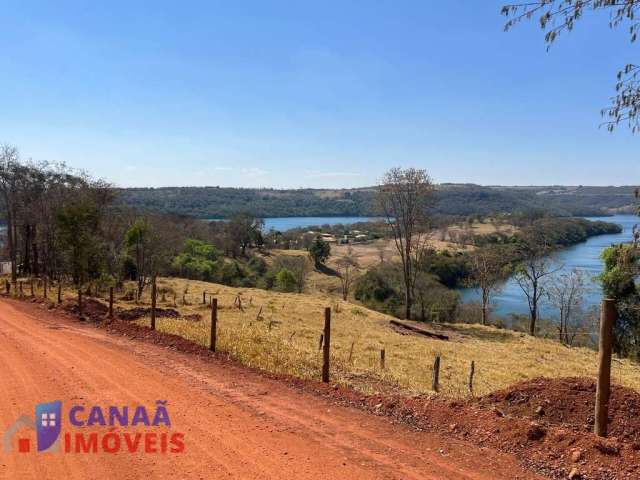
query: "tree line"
454, 200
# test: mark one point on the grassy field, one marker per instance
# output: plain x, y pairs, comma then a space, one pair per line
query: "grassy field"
280, 333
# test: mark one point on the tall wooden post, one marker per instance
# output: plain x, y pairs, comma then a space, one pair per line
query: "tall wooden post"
80, 300
153, 303
7, 286
435, 379
214, 324
59, 292
603, 392
472, 372
110, 302
204, 298
383, 355
326, 345
45, 288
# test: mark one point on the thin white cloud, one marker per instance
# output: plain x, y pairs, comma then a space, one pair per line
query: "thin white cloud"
319, 174
253, 172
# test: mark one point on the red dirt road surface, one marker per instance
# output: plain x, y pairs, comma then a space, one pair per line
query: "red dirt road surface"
237, 423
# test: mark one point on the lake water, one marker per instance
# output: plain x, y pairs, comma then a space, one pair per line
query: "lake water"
583, 256
286, 223
282, 224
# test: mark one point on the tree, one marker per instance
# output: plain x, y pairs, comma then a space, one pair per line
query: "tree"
151, 242
433, 297
531, 273
566, 292
285, 280
11, 172
299, 267
621, 268
559, 16
198, 260
381, 249
403, 197
487, 274
347, 267
242, 231
78, 225
319, 251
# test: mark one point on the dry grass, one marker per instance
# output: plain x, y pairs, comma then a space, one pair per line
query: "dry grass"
285, 339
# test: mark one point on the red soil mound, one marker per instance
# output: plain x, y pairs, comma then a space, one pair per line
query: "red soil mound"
569, 402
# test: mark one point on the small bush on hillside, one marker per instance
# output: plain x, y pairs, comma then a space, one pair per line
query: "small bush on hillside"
285, 280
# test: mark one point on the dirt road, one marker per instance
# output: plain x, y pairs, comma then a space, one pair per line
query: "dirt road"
237, 424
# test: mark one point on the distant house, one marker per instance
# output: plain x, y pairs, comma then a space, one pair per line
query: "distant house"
328, 237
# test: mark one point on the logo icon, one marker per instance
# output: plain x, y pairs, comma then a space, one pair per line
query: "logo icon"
47, 424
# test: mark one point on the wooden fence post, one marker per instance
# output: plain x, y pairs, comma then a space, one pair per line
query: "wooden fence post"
383, 354
59, 292
435, 379
214, 324
472, 372
204, 298
603, 391
7, 286
153, 303
45, 287
110, 302
327, 344
351, 351
80, 300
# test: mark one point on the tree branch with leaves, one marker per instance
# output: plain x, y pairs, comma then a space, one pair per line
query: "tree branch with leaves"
560, 16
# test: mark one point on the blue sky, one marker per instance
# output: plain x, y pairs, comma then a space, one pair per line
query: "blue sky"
309, 94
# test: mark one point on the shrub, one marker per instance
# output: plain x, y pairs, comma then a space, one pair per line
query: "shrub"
285, 280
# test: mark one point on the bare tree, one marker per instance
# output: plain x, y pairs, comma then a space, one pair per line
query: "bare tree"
487, 274
403, 198
381, 250
531, 273
559, 16
10, 174
566, 292
347, 267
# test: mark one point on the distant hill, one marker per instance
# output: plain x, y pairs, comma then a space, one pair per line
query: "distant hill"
452, 199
